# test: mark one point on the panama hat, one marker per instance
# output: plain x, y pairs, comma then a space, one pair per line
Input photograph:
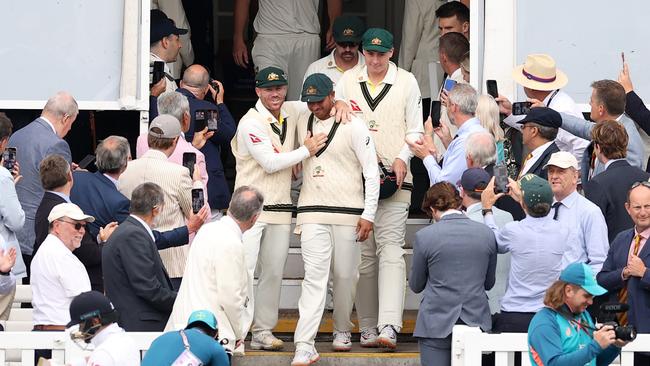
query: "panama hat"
539, 73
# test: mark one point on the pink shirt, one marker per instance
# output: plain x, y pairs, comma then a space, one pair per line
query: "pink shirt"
644, 237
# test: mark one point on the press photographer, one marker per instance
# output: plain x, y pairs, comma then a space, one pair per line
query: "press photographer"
563, 333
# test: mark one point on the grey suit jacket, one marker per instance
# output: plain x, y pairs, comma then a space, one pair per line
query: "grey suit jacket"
34, 142
454, 261
582, 128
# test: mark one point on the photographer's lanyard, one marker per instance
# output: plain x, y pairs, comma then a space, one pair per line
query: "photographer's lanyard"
551, 98
579, 326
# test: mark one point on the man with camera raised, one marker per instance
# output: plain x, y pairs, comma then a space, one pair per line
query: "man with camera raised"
563, 333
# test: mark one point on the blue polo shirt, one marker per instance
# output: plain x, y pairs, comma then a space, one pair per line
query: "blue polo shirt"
166, 348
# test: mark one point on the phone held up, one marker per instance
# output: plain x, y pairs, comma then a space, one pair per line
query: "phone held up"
9, 158
206, 118
520, 108
435, 113
449, 85
501, 179
156, 72
492, 88
189, 160
198, 201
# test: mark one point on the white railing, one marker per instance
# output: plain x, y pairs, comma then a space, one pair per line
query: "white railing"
469, 343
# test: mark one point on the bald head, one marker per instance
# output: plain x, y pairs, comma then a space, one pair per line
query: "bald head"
196, 76
61, 110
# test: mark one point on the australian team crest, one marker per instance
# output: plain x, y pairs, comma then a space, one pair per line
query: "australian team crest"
273, 76
311, 90
318, 171
348, 32
373, 125
376, 41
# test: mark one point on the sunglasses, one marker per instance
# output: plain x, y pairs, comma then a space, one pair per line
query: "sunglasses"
348, 44
77, 225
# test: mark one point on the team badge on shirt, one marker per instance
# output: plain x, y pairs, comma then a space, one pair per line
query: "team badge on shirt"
254, 139
373, 126
318, 171
355, 106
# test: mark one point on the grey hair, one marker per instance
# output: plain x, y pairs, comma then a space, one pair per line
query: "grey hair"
173, 103
481, 147
465, 97
112, 154
246, 202
61, 104
145, 197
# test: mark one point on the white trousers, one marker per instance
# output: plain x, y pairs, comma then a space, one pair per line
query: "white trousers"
323, 245
382, 274
291, 53
266, 246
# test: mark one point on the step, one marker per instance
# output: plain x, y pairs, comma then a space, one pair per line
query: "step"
406, 355
289, 318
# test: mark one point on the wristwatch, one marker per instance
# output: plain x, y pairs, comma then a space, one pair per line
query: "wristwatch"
485, 211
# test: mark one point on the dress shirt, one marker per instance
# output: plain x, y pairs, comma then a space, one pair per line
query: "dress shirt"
7, 282
12, 219
57, 277
146, 226
454, 162
645, 234
449, 212
609, 162
62, 195
115, 181
536, 246
589, 243
49, 123
327, 65
535, 155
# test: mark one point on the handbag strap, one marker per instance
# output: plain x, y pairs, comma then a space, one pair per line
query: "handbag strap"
186, 344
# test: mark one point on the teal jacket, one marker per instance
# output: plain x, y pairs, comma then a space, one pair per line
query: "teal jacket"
166, 348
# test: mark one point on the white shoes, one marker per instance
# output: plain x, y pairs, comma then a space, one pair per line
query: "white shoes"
266, 341
305, 357
369, 338
387, 338
342, 342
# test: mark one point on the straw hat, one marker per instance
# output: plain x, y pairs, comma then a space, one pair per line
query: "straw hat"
539, 73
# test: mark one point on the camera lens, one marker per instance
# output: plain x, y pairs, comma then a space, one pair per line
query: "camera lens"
625, 333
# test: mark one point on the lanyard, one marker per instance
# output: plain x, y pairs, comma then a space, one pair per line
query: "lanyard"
552, 96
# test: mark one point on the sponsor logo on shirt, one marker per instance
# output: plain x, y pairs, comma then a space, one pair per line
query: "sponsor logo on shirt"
355, 106
254, 139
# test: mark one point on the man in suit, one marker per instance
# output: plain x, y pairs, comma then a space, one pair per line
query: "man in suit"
608, 190
134, 276
97, 194
175, 181
454, 262
624, 273
539, 129
607, 103
42, 137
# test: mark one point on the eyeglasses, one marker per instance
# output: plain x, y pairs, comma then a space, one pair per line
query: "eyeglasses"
77, 225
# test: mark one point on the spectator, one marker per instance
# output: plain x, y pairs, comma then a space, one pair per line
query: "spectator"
97, 319
389, 99
536, 245
554, 336
333, 214
7, 279
542, 81
286, 36
472, 183
461, 111
42, 137
175, 11
12, 218
453, 17
174, 180
264, 152
134, 277
624, 273
634, 107
609, 189
586, 223
195, 86
346, 31
200, 336
539, 130
217, 277
97, 194
56, 180
607, 103
165, 45
487, 111
453, 273
464, 67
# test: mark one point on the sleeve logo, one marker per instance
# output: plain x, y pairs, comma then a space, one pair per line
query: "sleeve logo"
254, 139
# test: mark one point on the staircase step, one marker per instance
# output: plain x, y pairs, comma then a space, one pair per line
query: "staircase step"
289, 318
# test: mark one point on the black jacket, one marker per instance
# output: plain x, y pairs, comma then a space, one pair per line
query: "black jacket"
538, 167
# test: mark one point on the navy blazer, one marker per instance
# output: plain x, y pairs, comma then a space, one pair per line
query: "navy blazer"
538, 167
638, 289
136, 281
608, 190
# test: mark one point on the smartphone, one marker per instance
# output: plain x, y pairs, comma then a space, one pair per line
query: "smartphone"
189, 159
9, 158
492, 88
500, 179
435, 113
213, 120
449, 84
200, 120
156, 72
198, 201
86, 161
520, 108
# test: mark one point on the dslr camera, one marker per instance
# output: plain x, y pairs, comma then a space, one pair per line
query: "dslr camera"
607, 316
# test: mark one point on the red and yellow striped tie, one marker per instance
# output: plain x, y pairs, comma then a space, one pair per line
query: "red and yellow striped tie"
622, 295
523, 164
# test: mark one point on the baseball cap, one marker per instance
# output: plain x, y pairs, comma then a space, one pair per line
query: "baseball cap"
68, 210
535, 190
162, 26
204, 316
348, 28
543, 116
316, 88
563, 159
377, 39
168, 124
270, 76
88, 305
581, 274
474, 179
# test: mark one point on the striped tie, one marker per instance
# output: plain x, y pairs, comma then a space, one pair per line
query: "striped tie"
528, 157
622, 295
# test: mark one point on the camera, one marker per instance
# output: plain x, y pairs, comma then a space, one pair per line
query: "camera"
607, 316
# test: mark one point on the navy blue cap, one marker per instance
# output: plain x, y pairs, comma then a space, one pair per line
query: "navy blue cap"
543, 116
162, 26
474, 179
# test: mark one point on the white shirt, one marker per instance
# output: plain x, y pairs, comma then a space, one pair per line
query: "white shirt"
62, 195
146, 226
276, 17
57, 277
115, 181
114, 347
327, 65
263, 152
49, 123
536, 154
